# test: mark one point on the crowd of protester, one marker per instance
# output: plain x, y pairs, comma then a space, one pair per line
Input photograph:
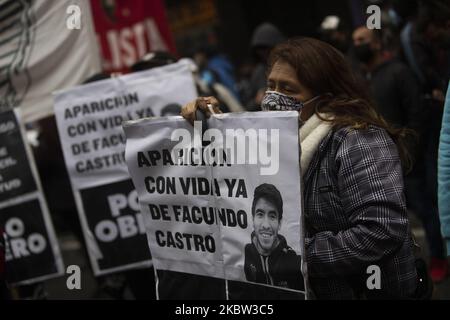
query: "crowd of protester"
406, 67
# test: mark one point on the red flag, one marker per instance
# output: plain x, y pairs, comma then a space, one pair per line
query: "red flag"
127, 30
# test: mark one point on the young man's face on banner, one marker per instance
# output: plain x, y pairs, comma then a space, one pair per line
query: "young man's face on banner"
266, 225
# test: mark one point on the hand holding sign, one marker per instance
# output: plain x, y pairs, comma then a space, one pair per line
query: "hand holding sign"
189, 110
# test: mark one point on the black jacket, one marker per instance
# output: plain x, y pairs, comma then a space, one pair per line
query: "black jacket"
282, 268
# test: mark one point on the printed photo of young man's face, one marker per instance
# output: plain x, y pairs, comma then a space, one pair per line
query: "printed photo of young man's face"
266, 224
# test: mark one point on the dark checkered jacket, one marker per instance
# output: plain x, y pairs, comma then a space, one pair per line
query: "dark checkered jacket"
355, 216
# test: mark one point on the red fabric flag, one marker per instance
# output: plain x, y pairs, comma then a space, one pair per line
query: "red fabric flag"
127, 30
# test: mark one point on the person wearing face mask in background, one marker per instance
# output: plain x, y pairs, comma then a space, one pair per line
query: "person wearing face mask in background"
354, 208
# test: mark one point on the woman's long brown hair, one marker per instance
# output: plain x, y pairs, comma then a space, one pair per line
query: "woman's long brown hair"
324, 70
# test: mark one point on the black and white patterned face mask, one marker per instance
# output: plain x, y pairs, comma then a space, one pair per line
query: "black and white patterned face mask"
276, 101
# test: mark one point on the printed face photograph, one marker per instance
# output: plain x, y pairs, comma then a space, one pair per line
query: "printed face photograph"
266, 224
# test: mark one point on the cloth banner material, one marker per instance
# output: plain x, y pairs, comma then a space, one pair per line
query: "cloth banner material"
89, 120
32, 251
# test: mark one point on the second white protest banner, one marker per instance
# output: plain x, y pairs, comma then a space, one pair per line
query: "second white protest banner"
89, 119
223, 202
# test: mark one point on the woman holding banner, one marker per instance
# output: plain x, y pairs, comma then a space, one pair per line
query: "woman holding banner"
354, 207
